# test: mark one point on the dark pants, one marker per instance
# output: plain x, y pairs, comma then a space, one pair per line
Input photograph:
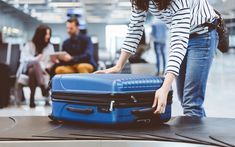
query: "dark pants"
159, 50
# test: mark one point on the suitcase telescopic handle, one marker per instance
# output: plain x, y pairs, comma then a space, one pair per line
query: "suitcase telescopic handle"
80, 110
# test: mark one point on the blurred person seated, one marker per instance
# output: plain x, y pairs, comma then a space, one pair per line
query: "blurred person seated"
34, 60
79, 48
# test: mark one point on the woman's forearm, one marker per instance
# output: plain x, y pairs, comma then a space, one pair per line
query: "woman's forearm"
169, 78
122, 60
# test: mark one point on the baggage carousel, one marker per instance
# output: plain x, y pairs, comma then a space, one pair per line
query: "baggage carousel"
179, 131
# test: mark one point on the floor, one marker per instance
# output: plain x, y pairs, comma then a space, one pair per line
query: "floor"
220, 96
96, 143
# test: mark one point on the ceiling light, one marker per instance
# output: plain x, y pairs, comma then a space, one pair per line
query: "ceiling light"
65, 4
29, 1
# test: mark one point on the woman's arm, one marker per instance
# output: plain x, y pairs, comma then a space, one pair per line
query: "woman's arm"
180, 30
27, 53
161, 95
49, 61
131, 42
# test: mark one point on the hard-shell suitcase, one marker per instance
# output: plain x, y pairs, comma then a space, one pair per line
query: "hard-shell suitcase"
106, 98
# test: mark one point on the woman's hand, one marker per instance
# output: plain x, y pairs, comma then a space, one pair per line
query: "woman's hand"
160, 100
54, 59
118, 67
114, 69
161, 94
66, 57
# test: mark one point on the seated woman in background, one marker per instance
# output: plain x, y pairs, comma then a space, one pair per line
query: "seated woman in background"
35, 59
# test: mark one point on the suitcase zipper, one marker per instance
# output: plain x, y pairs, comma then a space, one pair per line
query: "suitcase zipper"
91, 98
110, 105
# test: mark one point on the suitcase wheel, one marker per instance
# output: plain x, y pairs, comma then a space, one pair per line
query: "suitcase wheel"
53, 120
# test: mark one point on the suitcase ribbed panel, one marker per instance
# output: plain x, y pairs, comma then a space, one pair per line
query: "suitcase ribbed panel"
134, 84
112, 83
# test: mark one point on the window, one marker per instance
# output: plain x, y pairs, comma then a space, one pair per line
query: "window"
115, 35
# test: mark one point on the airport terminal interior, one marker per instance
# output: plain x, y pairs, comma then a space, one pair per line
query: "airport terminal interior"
43, 39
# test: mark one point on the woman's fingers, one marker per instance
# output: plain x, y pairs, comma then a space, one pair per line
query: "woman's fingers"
163, 110
160, 108
100, 72
155, 100
109, 70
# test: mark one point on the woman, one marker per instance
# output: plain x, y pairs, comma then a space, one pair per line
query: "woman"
192, 45
35, 60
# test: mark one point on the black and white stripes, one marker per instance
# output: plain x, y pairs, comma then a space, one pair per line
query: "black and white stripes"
182, 17
135, 30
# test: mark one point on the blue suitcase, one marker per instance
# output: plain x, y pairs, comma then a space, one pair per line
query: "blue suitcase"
106, 98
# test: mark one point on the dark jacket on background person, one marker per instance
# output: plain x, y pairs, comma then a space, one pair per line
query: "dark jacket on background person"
81, 49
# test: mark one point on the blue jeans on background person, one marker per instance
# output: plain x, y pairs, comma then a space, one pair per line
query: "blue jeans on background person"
193, 75
159, 50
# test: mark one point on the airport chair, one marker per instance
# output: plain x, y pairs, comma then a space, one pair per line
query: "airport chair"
101, 64
3, 53
13, 57
14, 61
10, 56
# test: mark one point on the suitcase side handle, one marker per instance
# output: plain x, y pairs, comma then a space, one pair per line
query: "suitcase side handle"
80, 110
143, 112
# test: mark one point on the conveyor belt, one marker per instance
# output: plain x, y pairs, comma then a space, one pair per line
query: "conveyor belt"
227, 140
179, 129
201, 131
149, 132
6, 123
203, 138
25, 127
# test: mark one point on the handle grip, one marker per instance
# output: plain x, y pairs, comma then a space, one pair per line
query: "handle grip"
143, 112
80, 110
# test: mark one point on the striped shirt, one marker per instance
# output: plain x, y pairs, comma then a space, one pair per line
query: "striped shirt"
182, 17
